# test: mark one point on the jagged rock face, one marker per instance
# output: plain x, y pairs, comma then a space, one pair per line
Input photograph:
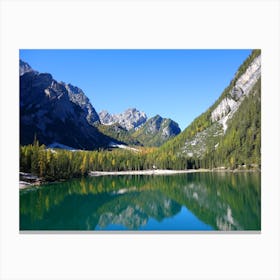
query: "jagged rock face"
78, 97
130, 119
56, 112
229, 105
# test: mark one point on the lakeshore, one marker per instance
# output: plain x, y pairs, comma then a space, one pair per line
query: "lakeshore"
146, 172
28, 180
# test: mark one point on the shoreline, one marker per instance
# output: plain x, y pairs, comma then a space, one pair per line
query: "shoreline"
146, 172
165, 171
29, 180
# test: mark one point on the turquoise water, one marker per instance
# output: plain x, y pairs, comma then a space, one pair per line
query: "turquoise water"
193, 201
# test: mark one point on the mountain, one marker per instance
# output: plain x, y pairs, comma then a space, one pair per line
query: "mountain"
129, 119
228, 133
56, 112
156, 131
133, 127
61, 115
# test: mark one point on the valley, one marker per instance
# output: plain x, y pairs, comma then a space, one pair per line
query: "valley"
62, 134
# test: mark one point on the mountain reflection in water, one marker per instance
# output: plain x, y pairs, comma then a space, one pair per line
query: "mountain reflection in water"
194, 201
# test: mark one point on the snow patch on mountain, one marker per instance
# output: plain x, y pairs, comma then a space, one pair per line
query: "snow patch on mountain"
56, 145
121, 146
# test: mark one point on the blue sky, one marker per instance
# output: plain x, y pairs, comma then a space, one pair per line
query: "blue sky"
178, 84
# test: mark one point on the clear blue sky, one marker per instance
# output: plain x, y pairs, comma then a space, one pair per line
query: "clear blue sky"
178, 84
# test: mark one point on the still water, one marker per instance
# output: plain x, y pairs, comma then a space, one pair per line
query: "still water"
193, 201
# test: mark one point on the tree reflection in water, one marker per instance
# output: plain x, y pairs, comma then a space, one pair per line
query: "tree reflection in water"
225, 201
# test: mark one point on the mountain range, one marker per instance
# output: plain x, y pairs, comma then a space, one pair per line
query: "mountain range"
134, 127
61, 115
226, 135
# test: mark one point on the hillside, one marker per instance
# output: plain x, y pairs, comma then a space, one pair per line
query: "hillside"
228, 133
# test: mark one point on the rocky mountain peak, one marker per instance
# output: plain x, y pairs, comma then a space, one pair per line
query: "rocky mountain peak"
129, 119
24, 67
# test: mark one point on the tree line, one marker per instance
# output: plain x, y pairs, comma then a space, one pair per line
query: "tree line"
54, 164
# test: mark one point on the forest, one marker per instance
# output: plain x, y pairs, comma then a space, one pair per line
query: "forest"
54, 164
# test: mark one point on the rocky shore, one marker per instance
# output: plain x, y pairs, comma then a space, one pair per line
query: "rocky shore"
27, 180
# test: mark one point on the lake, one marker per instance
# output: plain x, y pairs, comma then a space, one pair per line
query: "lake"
206, 201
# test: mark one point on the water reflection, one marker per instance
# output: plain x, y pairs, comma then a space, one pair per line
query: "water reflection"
219, 201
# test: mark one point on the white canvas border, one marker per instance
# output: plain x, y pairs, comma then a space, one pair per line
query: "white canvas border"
139, 24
